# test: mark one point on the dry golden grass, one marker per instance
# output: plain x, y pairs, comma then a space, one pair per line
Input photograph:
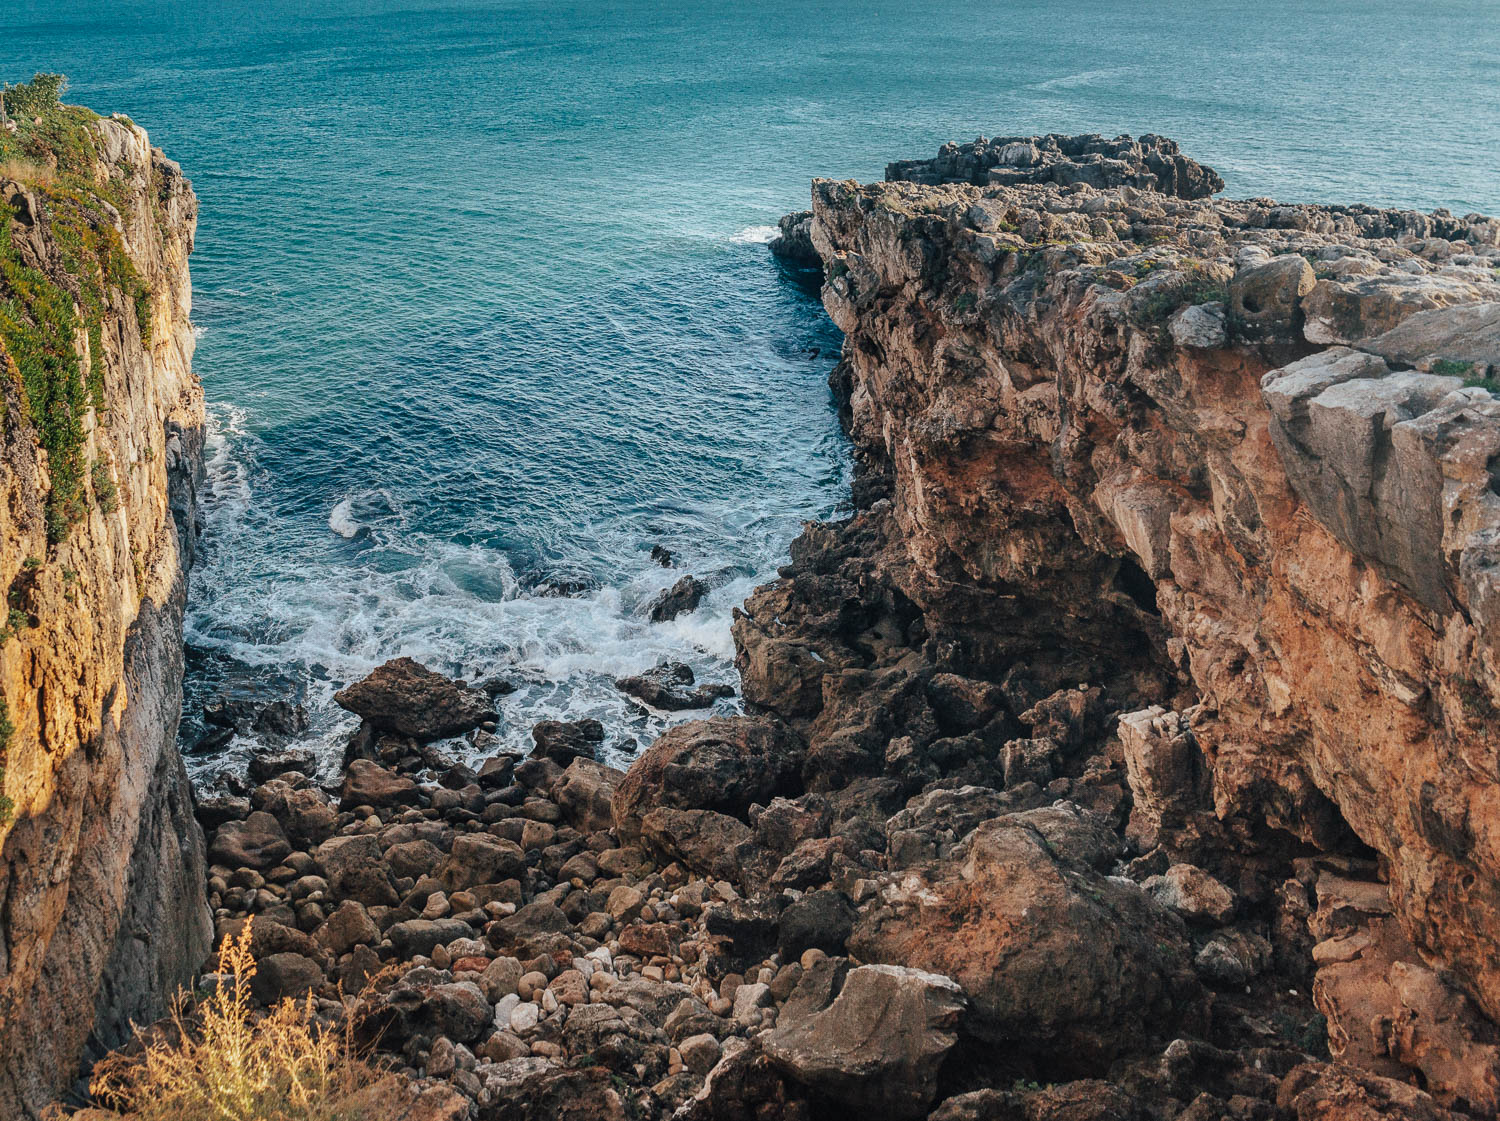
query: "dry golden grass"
24, 171
224, 1064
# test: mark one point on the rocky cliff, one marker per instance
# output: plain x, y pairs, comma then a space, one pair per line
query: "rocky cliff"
101, 862
1230, 464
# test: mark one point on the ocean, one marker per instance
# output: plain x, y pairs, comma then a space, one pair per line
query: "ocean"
485, 306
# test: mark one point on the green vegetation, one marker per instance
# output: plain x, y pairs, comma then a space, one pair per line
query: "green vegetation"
964, 302
40, 319
105, 492
1449, 368
7, 729
1194, 287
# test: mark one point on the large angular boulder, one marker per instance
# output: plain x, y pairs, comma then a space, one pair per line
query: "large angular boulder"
409, 699
879, 1045
367, 783
1059, 960
724, 765
478, 858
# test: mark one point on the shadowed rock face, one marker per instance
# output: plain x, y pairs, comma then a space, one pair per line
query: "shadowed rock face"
101, 869
1225, 448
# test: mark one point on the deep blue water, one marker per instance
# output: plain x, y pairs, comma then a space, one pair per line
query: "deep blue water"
483, 295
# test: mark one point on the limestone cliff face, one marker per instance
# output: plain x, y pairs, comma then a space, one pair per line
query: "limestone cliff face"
1215, 456
101, 863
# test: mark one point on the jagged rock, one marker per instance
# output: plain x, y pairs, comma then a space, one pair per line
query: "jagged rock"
1151, 163
668, 686
1084, 1100
1232, 958
303, 812
793, 242
478, 858
355, 870
1167, 773
680, 599
1333, 1092
407, 698
1193, 894
1056, 958
879, 1045
350, 925
709, 843
1087, 499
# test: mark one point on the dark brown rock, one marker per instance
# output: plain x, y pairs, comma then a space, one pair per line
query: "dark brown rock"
407, 698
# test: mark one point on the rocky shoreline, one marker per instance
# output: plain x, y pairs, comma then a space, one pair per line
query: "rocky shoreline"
1126, 755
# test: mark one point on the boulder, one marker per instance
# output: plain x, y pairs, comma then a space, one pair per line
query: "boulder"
706, 842
478, 858
409, 699
355, 869
585, 793
1193, 894
279, 976
257, 842
303, 812
1334, 1092
878, 1046
350, 925
562, 741
1057, 959
723, 765
418, 937
367, 783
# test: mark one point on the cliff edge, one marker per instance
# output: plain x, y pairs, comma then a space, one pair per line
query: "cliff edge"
102, 912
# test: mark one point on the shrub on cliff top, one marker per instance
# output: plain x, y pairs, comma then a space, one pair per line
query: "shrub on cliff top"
222, 1063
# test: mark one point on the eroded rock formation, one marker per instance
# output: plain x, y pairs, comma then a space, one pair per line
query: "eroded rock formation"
101, 900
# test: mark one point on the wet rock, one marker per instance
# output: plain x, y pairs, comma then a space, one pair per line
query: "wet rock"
793, 242
878, 1047
680, 599
407, 698
562, 741
268, 765
669, 686
661, 555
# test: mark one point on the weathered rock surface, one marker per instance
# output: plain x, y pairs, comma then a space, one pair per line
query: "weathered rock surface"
879, 1045
101, 862
1287, 539
407, 698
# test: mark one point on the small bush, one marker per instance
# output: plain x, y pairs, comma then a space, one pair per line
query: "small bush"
1449, 368
33, 98
221, 1063
106, 494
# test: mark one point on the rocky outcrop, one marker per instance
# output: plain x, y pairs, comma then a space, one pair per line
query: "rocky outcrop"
102, 911
1150, 163
1227, 463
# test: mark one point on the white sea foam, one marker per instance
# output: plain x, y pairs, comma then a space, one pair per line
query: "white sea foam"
755, 235
341, 520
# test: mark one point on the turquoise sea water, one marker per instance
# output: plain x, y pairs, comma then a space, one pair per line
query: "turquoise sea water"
485, 304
